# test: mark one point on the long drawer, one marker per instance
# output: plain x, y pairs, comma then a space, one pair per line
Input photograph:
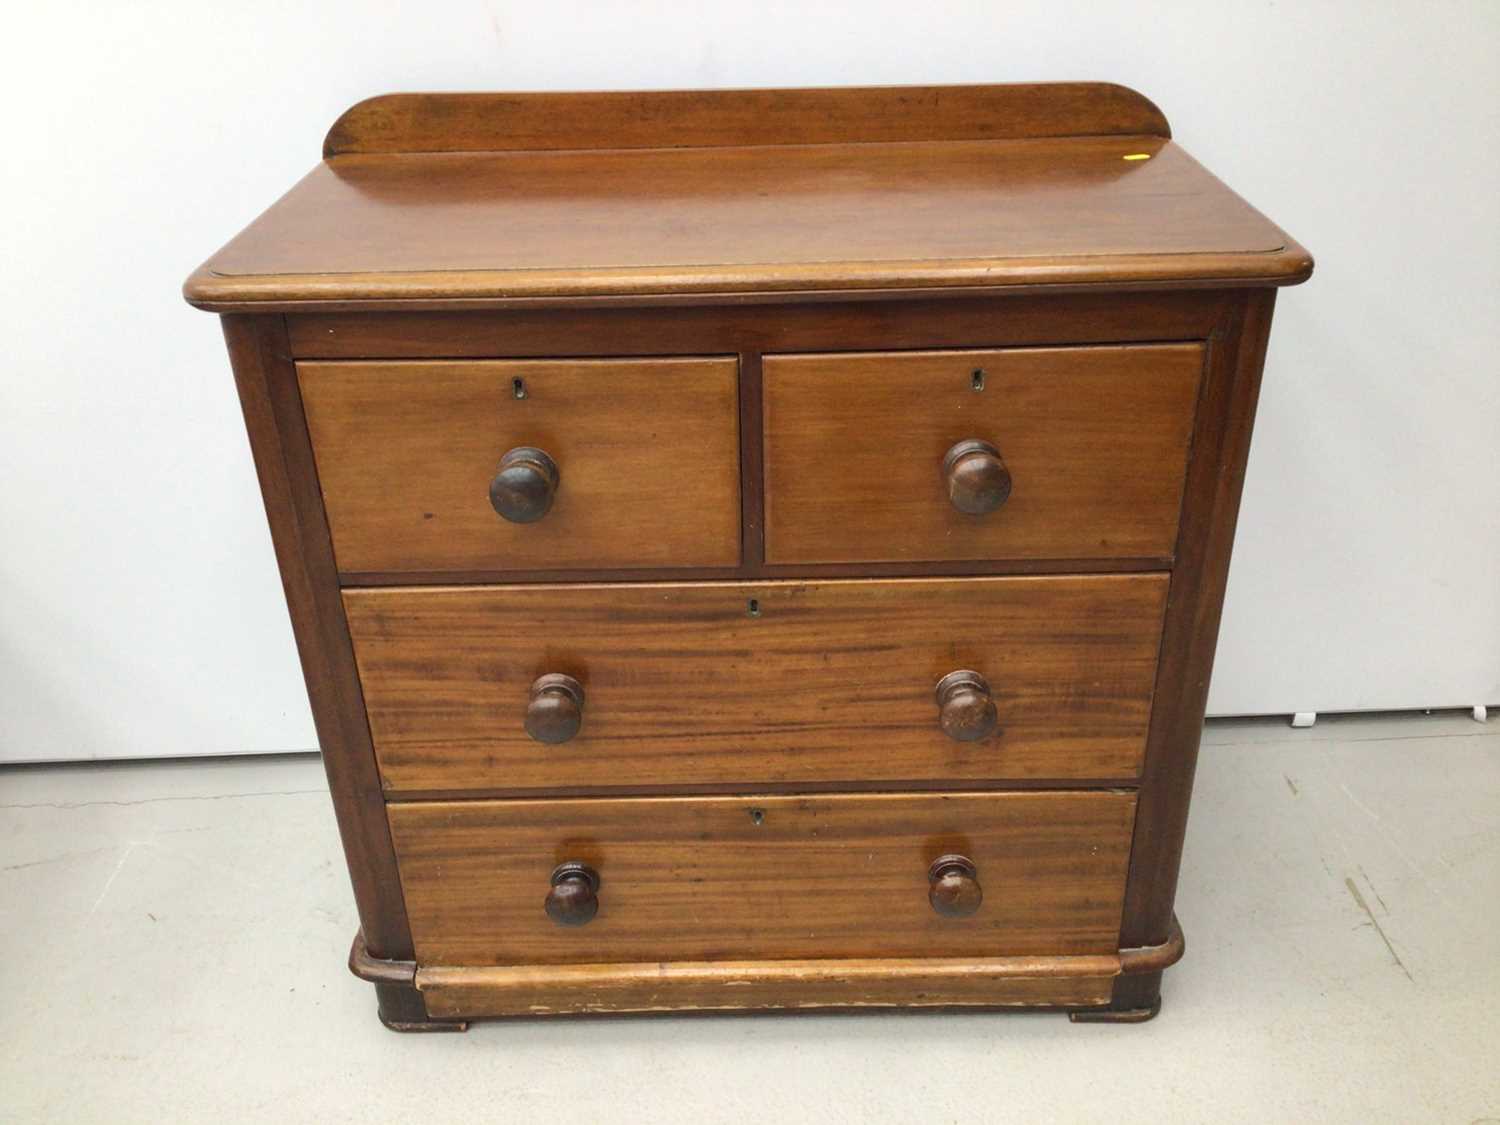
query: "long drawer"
677, 685
708, 878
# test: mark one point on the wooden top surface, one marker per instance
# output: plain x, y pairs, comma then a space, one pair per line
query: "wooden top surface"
691, 203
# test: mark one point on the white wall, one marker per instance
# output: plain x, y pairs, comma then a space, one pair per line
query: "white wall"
140, 612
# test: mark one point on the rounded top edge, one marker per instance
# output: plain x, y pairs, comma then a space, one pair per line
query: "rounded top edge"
343, 134
1148, 108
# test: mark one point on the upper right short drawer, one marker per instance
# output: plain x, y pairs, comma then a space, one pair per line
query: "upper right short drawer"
1067, 453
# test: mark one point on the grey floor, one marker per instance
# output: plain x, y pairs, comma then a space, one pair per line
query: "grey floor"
172, 938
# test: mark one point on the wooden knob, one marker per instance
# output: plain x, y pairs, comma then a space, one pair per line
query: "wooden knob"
525, 484
954, 889
976, 476
555, 711
574, 897
966, 708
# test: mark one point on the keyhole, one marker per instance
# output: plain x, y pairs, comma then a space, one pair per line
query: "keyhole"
518, 388
757, 816
976, 380
753, 607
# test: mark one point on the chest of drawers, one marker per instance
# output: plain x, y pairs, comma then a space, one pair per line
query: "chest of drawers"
755, 549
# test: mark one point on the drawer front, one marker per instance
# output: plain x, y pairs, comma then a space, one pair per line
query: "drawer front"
646, 452
1093, 442
759, 683
683, 879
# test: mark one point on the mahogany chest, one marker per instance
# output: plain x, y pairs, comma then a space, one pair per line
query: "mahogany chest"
755, 549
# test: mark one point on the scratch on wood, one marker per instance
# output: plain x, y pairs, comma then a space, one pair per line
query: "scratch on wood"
1363, 905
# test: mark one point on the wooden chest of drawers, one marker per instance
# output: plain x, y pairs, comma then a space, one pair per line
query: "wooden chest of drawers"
755, 549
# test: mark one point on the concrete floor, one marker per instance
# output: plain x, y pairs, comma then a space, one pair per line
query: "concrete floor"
172, 938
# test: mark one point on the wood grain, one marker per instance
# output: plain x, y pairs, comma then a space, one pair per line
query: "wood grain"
747, 571
656, 986
648, 452
1190, 632
267, 384
605, 224
1095, 440
780, 325
830, 681
479, 122
471, 234
736, 878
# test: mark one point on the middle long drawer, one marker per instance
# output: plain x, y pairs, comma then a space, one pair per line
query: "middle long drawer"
673, 686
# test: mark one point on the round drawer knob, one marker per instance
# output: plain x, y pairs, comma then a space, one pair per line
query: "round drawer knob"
966, 708
976, 476
555, 711
574, 897
954, 891
525, 484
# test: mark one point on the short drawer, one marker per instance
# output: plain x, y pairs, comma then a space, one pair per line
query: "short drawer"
865, 454
734, 684
407, 454
687, 879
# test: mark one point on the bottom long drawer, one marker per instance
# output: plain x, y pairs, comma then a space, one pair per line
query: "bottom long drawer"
692, 879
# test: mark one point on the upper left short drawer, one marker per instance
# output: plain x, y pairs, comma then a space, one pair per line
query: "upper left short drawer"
639, 463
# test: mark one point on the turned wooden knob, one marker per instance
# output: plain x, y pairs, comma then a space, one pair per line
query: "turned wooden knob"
525, 484
966, 708
954, 889
555, 711
976, 476
574, 897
